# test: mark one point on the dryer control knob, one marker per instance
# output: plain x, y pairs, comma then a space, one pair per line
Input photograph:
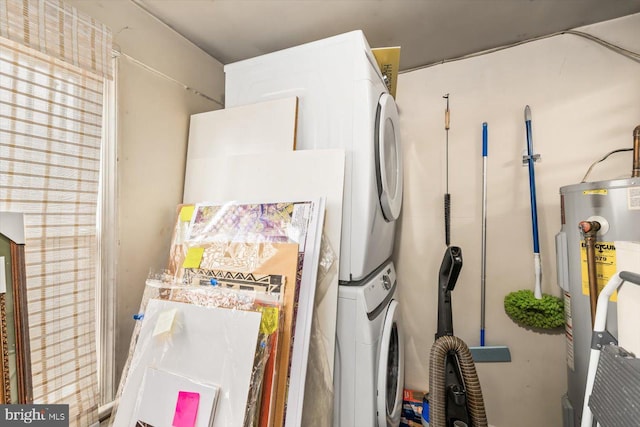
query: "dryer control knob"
386, 282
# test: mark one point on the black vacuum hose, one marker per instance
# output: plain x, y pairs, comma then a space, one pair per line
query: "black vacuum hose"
437, 393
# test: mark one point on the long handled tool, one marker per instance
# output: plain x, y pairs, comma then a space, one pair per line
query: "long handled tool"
447, 196
531, 158
526, 308
483, 268
454, 389
482, 353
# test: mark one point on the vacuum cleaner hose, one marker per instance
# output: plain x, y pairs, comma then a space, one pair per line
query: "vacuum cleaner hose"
437, 393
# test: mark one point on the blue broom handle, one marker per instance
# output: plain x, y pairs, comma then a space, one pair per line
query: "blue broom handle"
485, 140
532, 181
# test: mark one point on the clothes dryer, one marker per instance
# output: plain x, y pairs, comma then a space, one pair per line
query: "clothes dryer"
342, 103
369, 360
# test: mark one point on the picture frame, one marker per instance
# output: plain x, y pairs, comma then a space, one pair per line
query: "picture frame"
15, 352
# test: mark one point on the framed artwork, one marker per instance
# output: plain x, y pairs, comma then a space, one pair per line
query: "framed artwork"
15, 354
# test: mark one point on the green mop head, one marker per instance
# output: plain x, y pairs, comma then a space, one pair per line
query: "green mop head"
524, 309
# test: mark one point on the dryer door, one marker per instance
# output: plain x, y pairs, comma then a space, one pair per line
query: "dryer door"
391, 369
388, 158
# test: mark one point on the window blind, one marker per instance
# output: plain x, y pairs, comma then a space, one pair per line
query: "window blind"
50, 145
50, 134
58, 30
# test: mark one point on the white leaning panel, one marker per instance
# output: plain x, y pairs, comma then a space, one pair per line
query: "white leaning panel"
255, 128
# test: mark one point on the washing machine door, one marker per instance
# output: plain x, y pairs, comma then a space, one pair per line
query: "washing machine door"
391, 369
388, 158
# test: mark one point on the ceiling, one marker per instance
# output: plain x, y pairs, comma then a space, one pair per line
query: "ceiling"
428, 31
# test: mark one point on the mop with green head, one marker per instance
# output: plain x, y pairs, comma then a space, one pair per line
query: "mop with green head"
526, 308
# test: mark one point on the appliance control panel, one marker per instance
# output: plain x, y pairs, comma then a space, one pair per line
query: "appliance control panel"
379, 287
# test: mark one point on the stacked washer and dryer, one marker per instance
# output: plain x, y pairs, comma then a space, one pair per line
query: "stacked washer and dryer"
344, 103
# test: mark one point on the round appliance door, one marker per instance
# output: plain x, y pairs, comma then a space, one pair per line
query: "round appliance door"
391, 369
388, 158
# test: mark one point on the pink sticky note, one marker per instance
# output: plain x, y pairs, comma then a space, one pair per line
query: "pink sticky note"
186, 409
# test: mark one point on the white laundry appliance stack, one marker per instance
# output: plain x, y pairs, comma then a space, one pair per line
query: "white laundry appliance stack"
343, 103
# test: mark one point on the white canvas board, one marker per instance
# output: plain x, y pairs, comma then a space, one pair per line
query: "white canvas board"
296, 175
158, 396
256, 128
212, 345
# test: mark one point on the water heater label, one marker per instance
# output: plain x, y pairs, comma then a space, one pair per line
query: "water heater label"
601, 192
605, 266
633, 198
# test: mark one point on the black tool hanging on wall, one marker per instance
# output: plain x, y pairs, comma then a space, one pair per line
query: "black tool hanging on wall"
454, 392
447, 196
456, 396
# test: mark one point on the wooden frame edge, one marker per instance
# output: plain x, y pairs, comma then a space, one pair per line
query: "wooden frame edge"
21, 318
5, 392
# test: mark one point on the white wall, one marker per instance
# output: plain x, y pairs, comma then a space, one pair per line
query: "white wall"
585, 103
153, 122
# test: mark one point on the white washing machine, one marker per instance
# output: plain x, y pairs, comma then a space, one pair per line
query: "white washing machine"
369, 360
342, 103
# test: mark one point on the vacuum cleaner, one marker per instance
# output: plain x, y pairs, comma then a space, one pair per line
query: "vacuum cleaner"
455, 395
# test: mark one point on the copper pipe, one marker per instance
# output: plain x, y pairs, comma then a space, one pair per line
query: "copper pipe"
635, 172
589, 231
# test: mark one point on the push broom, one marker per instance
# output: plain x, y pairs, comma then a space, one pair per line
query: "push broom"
486, 353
